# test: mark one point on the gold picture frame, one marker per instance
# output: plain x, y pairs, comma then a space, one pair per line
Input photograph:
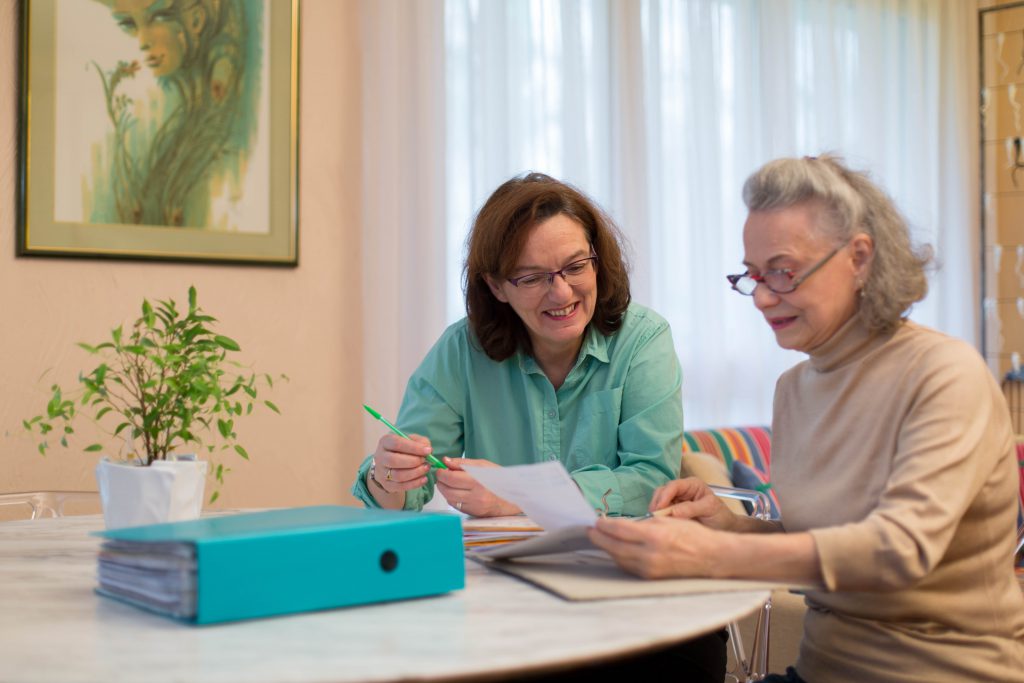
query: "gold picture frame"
159, 129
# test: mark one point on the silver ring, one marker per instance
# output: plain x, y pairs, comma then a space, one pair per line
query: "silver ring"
387, 475
458, 506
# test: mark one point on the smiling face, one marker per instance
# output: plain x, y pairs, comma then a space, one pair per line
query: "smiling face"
790, 238
555, 317
162, 28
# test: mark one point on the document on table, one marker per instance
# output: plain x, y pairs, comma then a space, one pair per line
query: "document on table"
593, 575
549, 497
544, 491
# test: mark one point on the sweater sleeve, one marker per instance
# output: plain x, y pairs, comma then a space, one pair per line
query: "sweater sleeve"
938, 468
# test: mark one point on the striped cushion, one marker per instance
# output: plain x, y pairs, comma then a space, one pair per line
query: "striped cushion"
750, 445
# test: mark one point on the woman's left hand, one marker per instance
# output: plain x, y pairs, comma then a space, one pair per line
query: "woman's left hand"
661, 547
466, 494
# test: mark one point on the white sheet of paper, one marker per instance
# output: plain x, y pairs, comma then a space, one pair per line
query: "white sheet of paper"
544, 491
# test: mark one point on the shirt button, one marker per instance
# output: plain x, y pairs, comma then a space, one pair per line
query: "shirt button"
551, 413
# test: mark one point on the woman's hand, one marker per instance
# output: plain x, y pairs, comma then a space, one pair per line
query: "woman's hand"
691, 498
661, 547
399, 466
465, 493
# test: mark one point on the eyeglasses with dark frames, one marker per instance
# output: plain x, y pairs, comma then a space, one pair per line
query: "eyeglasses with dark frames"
778, 281
574, 274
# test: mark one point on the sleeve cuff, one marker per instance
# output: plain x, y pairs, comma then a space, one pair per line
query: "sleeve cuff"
594, 483
414, 500
359, 489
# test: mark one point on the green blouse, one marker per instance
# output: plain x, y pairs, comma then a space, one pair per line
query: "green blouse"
616, 423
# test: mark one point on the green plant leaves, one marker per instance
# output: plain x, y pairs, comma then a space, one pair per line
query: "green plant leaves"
224, 426
169, 380
147, 314
227, 343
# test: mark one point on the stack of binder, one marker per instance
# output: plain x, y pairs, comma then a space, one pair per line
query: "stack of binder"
281, 561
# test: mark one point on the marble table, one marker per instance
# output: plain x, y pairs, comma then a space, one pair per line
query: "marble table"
53, 627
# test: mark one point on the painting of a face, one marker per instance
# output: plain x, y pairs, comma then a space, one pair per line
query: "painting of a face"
160, 27
154, 128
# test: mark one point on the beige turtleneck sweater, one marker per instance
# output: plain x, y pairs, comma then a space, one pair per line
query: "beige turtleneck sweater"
896, 453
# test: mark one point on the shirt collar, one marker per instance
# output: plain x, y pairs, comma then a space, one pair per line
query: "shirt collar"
595, 345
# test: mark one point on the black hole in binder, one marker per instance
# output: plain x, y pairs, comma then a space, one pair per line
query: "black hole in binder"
388, 561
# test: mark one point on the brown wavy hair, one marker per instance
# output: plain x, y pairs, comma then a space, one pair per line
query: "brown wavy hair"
497, 239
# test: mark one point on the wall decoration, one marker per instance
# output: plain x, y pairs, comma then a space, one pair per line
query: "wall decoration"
1001, 42
159, 129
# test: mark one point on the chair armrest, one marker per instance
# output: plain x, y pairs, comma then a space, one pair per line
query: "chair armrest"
47, 503
761, 506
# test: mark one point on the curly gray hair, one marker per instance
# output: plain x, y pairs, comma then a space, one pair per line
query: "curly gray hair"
853, 203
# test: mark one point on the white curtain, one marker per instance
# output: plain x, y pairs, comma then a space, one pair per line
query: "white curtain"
403, 174
659, 110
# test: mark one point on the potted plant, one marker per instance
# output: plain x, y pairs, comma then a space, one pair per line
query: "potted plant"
165, 384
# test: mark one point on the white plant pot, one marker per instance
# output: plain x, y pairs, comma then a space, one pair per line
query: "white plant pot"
166, 491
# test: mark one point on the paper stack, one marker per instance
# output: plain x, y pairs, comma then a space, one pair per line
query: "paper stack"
479, 533
547, 494
160, 577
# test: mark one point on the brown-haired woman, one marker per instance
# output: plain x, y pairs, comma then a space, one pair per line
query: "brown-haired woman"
552, 362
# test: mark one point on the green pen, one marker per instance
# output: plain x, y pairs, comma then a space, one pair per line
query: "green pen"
430, 456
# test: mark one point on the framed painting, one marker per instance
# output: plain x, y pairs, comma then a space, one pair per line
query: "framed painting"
159, 129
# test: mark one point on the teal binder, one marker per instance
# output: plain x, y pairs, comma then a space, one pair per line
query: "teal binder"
281, 561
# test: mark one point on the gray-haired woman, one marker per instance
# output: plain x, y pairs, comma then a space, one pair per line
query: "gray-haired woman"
892, 457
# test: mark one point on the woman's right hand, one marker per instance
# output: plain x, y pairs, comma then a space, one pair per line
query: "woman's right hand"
691, 498
399, 465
